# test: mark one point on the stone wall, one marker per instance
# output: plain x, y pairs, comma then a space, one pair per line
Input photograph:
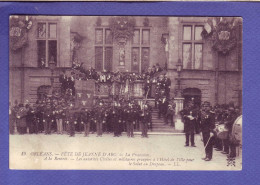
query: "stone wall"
230, 80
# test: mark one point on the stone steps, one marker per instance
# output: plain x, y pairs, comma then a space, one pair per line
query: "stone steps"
159, 124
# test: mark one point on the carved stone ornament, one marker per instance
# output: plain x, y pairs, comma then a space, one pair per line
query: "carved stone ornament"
122, 28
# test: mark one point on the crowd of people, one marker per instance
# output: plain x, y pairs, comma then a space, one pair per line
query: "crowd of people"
110, 76
207, 120
58, 116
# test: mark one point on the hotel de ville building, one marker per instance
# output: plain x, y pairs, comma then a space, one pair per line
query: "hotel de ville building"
201, 55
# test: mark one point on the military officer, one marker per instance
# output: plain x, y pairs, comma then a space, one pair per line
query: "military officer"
85, 117
30, 119
115, 121
100, 118
145, 120
136, 113
47, 122
72, 120
120, 119
207, 125
229, 147
130, 120
59, 117
21, 119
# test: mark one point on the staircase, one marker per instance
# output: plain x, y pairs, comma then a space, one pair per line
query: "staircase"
159, 124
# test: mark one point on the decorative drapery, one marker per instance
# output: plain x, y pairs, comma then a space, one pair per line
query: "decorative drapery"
19, 26
122, 27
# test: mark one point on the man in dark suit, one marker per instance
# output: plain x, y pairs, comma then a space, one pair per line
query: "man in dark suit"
207, 125
189, 117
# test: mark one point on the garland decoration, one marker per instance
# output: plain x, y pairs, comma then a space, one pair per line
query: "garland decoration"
19, 27
222, 32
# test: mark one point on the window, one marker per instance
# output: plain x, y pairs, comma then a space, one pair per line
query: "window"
192, 47
103, 49
187, 32
136, 38
46, 43
140, 50
146, 37
135, 59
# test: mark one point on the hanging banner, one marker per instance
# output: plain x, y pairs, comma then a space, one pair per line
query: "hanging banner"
84, 93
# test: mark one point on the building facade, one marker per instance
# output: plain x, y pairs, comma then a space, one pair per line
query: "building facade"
129, 44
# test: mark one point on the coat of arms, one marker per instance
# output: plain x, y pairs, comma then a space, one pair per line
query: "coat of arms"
222, 31
122, 28
19, 26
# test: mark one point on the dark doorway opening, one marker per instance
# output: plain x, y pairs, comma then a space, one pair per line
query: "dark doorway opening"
192, 94
43, 91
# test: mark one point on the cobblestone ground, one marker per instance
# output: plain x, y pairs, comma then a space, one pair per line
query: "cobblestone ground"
158, 152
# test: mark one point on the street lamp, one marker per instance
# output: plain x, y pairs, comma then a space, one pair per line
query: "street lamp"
52, 66
179, 66
179, 100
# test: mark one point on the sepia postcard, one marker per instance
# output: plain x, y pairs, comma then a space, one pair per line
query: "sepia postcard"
125, 93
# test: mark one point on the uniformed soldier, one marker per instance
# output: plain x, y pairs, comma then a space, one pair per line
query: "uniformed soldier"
136, 113
59, 117
79, 127
145, 120
72, 120
130, 120
114, 116
47, 122
67, 117
63, 116
37, 116
106, 119
100, 118
109, 123
53, 126
30, 119
15, 110
169, 115
207, 125
229, 147
42, 115
120, 119
85, 117
21, 119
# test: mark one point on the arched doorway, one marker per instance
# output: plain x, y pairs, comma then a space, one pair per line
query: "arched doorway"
43, 91
192, 94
